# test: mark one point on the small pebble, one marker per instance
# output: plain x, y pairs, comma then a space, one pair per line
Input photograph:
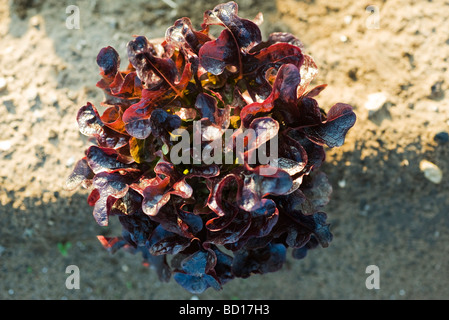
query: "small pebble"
436, 90
72, 95
35, 22
31, 94
402, 292
70, 162
2, 84
343, 38
431, 171
342, 183
10, 292
5, 145
347, 19
52, 98
375, 101
441, 137
434, 109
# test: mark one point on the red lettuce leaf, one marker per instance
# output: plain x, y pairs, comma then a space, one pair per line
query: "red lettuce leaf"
257, 186
231, 231
81, 174
164, 242
110, 186
216, 55
245, 32
182, 34
195, 274
282, 97
108, 60
332, 132
91, 125
268, 259
106, 159
154, 72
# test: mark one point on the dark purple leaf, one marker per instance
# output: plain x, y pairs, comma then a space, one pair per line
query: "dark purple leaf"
299, 253
162, 124
315, 153
223, 267
192, 221
91, 125
315, 91
89, 121
167, 169
310, 112
109, 185
321, 231
332, 132
265, 128
127, 205
293, 203
275, 56
105, 159
139, 129
256, 186
317, 191
232, 230
155, 196
178, 221
219, 200
195, 269
81, 174
196, 284
207, 106
154, 72
276, 37
216, 55
206, 171
245, 32
109, 62
267, 259
164, 242
304, 226
282, 97
138, 225
136, 117
292, 155
263, 219
297, 236
182, 33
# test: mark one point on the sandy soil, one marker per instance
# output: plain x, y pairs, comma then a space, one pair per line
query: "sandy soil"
383, 211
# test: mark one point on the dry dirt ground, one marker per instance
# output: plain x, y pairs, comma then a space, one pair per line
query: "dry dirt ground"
383, 211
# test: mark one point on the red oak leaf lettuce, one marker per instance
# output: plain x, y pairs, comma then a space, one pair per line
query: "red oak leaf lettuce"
208, 151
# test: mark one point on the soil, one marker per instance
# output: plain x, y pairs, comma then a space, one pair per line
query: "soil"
384, 211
